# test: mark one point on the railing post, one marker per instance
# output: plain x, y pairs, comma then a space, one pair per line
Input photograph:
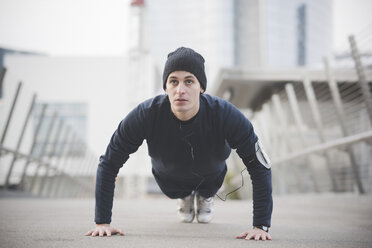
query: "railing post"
43, 151
10, 115
51, 155
36, 135
278, 174
300, 124
20, 139
63, 166
72, 188
57, 167
68, 170
336, 98
279, 110
2, 76
319, 126
362, 81
341, 119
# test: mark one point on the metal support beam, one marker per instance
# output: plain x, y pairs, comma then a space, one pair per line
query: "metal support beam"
362, 81
279, 175
10, 115
68, 169
342, 120
20, 139
310, 94
61, 175
51, 154
2, 76
36, 135
43, 151
61, 156
336, 98
283, 123
300, 127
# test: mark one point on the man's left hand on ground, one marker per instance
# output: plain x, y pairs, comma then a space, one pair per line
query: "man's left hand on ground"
256, 234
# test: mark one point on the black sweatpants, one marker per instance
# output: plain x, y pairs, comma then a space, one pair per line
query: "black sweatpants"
176, 188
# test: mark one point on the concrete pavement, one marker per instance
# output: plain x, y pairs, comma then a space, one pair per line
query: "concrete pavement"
327, 220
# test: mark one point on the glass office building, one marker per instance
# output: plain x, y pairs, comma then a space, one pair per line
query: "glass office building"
241, 33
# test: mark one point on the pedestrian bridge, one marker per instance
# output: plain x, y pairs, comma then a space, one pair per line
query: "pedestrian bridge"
315, 124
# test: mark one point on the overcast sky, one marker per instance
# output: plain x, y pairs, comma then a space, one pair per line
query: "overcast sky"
99, 27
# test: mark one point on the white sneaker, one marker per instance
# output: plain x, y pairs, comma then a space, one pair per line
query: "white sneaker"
204, 213
186, 209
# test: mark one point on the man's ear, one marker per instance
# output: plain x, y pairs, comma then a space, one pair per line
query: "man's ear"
201, 90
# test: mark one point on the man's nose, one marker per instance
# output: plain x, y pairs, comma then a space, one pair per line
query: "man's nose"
181, 88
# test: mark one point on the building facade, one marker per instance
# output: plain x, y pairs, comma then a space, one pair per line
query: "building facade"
241, 33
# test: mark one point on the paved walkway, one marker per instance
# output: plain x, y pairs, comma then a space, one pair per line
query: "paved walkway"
298, 221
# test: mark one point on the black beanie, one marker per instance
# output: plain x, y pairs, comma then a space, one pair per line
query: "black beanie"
185, 59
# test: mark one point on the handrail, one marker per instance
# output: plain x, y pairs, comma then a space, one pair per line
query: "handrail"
345, 141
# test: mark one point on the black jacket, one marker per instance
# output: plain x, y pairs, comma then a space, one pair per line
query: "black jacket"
184, 151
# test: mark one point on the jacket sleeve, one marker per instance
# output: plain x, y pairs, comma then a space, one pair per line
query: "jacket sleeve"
126, 140
241, 136
262, 191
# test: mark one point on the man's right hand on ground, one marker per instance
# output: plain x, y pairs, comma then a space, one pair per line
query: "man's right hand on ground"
104, 229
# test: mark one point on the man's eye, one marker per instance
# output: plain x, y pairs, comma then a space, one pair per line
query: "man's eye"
189, 81
173, 82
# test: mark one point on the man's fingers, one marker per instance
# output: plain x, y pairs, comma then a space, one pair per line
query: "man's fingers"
114, 231
104, 231
257, 237
249, 236
120, 232
242, 236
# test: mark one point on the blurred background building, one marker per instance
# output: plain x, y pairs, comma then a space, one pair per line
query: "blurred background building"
257, 52
240, 34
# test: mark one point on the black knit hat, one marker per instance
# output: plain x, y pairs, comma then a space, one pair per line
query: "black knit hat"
185, 59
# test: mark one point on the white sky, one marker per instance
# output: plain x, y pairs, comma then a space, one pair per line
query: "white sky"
65, 27
100, 27
351, 17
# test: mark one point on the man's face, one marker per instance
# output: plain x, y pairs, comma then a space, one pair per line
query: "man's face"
183, 89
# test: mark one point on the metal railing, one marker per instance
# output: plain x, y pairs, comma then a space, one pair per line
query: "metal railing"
52, 170
319, 134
